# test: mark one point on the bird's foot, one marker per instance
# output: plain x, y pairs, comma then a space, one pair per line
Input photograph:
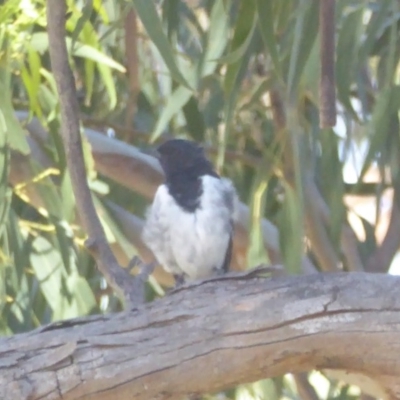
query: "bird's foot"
145, 269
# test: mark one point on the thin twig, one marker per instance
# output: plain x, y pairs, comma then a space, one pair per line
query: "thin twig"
119, 279
327, 56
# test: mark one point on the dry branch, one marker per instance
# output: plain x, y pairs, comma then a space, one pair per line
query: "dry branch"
232, 330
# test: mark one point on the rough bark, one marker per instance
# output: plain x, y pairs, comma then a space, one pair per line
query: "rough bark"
212, 336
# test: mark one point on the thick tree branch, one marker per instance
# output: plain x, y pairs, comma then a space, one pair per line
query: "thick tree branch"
120, 279
232, 330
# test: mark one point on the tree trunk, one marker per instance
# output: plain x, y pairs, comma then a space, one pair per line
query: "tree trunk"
214, 335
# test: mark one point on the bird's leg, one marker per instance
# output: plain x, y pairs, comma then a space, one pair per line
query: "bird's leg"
134, 262
179, 280
220, 271
145, 270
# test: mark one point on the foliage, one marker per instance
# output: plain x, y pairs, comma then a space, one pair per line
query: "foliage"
240, 77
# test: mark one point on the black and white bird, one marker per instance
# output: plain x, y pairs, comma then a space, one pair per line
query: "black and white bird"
189, 226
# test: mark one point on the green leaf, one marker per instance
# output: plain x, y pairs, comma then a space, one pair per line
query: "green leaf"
45, 189
194, 119
235, 73
171, 14
330, 174
147, 12
91, 171
100, 9
379, 122
47, 265
217, 37
266, 21
110, 223
40, 43
7, 9
67, 198
174, 104
214, 105
235, 55
85, 17
256, 253
372, 30
346, 60
305, 32
244, 27
108, 81
68, 294
15, 134
291, 231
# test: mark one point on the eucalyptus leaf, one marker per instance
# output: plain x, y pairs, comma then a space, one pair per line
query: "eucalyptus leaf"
40, 42
147, 12
8, 121
266, 22
217, 36
174, 104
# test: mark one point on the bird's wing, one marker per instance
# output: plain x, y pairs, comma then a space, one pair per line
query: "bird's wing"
231, 198
156, 233
228, 254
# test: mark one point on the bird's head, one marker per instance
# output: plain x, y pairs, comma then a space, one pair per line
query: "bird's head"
179, 155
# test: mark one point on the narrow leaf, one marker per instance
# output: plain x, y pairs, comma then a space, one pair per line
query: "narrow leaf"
174, 104
146, 10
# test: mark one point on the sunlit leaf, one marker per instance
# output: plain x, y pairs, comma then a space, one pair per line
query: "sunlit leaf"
86, 13
257, 254
217, 36
15, 134
40, 43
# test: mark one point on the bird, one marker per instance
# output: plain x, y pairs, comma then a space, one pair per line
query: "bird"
189, 226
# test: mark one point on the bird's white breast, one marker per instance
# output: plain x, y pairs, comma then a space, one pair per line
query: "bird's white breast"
192, 242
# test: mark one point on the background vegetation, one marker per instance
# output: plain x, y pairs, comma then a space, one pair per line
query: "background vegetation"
242, 78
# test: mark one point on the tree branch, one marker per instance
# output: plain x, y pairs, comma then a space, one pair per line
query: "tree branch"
381, 259
327, 96
118, 278
251, 329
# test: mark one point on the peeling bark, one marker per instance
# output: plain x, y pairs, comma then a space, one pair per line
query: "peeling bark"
212, 336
